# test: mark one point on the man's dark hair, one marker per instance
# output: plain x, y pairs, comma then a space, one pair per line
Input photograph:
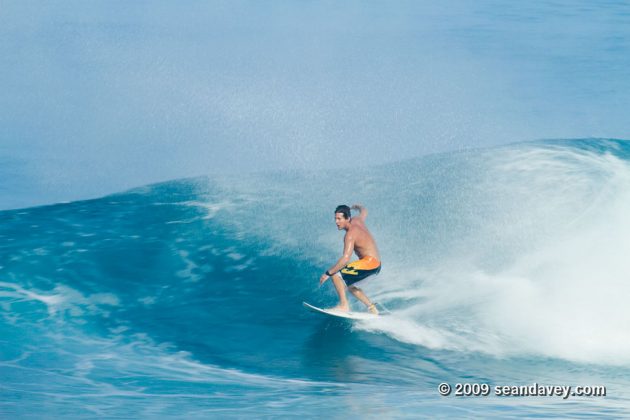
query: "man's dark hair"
343, 209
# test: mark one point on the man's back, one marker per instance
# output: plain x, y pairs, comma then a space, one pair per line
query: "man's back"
364, 244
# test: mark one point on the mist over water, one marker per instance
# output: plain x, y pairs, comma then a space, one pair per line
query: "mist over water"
100, 97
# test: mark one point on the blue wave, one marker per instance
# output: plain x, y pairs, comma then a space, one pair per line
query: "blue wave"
502, 265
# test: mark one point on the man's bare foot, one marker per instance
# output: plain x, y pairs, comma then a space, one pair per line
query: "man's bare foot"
372, 309
343, 308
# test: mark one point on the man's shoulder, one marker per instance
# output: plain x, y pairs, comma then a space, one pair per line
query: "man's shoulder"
356, 230
357, 222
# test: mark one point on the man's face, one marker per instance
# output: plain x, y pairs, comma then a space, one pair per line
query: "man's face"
341, 221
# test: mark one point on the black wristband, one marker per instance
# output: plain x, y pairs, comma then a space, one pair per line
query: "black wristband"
328, 274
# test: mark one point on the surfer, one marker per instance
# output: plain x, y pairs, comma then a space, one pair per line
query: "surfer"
359, 240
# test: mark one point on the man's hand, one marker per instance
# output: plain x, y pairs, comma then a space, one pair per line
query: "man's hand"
323, 278
362, 210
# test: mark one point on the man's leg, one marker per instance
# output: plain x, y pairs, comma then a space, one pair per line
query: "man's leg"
340, 286
358, 293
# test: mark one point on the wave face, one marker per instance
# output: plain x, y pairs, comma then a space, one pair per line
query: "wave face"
501, 266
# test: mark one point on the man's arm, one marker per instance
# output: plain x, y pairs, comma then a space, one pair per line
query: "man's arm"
362, 211
348, 249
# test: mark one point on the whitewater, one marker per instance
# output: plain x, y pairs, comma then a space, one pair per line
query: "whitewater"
505, 266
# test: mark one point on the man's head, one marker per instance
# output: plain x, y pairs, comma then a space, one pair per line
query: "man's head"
342, 217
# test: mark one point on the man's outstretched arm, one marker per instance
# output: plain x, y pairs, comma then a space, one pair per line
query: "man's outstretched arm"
362, 211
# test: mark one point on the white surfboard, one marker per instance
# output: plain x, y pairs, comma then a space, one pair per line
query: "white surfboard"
340, 314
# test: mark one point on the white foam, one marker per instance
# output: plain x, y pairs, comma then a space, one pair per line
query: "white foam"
61, 299
550, 280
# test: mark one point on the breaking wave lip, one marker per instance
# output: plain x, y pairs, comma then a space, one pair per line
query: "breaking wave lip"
558, 289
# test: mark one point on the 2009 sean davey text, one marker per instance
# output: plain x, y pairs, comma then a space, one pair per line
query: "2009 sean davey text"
532, 390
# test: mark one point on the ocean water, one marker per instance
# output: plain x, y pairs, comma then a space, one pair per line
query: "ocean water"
501, 266
99, 97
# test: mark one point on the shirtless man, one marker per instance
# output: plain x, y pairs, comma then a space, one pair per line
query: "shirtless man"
359, 240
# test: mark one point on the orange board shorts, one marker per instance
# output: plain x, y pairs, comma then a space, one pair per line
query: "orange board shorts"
360, 269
